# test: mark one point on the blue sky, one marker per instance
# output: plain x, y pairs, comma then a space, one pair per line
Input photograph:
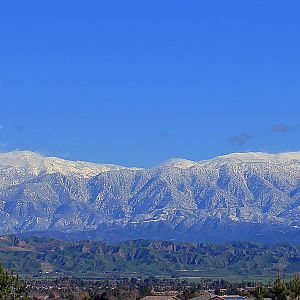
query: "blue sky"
138, 82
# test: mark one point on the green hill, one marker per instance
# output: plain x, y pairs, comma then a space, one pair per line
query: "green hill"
35, 256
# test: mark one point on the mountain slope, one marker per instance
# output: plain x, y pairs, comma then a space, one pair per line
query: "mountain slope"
87, 258
254, 196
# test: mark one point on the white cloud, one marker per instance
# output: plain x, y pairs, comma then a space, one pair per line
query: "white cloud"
1, 126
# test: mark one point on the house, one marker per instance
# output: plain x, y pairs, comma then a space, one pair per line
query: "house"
229, 297
204, 296
160, 298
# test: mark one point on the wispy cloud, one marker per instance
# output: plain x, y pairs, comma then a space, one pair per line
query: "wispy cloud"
1, 126
280, 128
165, 134
240, 139
76, 139
20, 127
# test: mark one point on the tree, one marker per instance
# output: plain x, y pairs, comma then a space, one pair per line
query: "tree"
259, 292
279, 291
10, 286
294, 287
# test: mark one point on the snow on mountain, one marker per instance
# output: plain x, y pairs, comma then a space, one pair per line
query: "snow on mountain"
34, 163
178, 163
253, 196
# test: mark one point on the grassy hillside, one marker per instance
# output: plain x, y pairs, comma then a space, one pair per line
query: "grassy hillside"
35, 256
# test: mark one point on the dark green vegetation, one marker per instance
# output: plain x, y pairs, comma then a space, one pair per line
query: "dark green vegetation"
137, 288
279, 290
10, 287
36, 256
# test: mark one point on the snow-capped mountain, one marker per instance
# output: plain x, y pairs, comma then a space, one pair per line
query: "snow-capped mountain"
254, 196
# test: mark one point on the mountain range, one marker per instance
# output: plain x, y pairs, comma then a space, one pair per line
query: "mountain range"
36, 256
240, 196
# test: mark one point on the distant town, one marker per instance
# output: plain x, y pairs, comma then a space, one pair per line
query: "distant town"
151, 288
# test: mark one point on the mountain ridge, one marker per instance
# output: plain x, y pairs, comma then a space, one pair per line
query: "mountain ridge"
37, 256
18, 155
258, 192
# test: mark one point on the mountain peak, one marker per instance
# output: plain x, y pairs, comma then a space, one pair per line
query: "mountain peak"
180, 163
205, 201
35, 163
260, 156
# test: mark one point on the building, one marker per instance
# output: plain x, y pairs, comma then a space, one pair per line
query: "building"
204, 296
160, 298
229, 297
